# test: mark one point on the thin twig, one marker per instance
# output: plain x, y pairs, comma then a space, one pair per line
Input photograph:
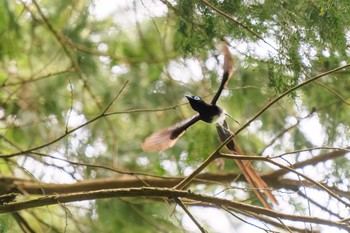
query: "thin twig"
245, 221
97, 166
330, 192
284, 131
183, 206
271, 221
312, 161
240, 23
295, 185
69, 131
267, 106
321, 206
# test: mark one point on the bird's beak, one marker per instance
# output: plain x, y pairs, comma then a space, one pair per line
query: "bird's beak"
188, 97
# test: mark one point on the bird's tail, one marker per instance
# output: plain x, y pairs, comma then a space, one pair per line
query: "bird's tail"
254, 180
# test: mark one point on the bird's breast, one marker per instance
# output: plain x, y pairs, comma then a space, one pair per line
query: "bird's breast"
219, 119
213, 114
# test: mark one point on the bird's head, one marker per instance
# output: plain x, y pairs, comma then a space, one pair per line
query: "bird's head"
196, 102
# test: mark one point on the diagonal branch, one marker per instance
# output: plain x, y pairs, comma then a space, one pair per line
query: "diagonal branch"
284, 131
214, 155
183, 206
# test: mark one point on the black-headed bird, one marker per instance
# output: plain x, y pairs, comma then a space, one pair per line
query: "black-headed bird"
207, 112
212, 113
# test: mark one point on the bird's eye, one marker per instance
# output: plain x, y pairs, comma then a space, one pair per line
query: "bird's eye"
196, 98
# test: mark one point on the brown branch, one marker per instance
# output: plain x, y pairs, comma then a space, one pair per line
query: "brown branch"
273, 222
295, 185
161, 193
255, 216
245, 221
183, 206
32, 187
312, 161
11, 184
213, 155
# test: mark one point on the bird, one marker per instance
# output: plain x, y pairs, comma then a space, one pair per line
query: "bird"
212, 113
207, 112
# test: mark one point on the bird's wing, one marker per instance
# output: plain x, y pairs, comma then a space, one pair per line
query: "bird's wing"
228, 71
166, 138
253, 178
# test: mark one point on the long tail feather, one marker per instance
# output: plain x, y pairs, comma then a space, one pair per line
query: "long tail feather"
254, 180
258, 181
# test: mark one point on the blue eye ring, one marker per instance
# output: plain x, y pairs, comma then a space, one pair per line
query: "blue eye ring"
196, 97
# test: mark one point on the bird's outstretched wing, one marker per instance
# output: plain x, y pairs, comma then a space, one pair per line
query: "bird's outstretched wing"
228, 71
255, 181
166, 138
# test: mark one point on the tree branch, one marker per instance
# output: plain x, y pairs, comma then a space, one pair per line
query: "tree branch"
295, 185
161, 193
214, 155
312, 161
183, 206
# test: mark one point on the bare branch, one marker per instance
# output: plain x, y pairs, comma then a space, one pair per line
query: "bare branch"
214, 155
161, 193
295, 184
183, 206
317, 159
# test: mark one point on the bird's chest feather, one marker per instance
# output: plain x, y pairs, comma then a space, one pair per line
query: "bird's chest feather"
212, 114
